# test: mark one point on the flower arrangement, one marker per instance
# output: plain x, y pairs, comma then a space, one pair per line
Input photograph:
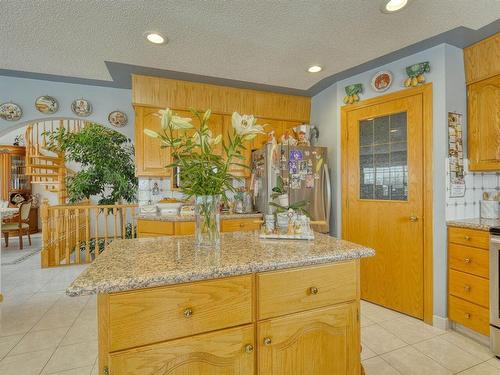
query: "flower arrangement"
203, 173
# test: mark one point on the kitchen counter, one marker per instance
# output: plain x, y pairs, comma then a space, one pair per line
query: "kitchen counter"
179, 218
474, 223
148, 262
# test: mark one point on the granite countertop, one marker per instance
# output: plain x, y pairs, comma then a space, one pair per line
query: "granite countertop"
149, 262
475, 223
158, 217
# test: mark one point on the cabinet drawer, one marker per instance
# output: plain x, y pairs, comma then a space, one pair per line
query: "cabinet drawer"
469, 237
469, 315
153, 315
229, 351
239, 225
469, 287
156, 227
183, 228
468, 259
289, 291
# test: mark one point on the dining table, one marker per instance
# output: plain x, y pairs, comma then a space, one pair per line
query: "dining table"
5, 213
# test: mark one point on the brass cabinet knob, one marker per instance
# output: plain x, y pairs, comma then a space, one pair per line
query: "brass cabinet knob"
467, 260
267, 341
467, 316
467, 288
413, 218
242, 225
188, 312
313, 290
467, 238
248, 348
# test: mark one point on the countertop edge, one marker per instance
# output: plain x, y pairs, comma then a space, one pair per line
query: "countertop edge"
474, 223
358, 253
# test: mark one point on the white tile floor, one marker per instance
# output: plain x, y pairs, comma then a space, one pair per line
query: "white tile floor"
42, 331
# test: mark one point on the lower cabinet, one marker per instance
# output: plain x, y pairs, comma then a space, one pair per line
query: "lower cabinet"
323, 341
227, 352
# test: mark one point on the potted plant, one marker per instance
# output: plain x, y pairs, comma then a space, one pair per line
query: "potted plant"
285, 213
205, 175
279, 192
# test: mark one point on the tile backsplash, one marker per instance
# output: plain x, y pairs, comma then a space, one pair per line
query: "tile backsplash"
148, 193
476, 183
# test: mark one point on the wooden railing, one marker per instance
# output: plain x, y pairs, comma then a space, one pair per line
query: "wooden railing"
76, 234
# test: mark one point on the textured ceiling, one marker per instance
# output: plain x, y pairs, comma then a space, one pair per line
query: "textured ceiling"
264, 42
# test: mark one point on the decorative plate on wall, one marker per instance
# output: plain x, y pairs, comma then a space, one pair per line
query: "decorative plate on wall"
46, 104
118, 119
381, 81
81, 107
10, 111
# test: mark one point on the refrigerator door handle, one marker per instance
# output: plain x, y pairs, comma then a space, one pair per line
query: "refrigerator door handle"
328, 199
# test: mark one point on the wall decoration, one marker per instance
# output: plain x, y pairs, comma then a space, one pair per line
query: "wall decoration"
81, 107
118, 119
10, 111
415, 74
381, 81
456, 155
353, 92
46, 104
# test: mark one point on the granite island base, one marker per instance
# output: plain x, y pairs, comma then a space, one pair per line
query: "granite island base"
253, 306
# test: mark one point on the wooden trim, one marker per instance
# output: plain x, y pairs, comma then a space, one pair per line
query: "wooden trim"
163, 92
103, 331
426, 92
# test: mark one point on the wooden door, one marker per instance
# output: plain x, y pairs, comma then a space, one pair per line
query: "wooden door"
150, 158
384, 200
318, 342
484, 125
227, 352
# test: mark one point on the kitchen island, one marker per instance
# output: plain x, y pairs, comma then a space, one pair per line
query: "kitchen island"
279, 307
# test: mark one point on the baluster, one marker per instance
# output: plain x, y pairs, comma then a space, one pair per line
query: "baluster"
77, 234
45, 232
106, 211
96, 241
132, 211
58, 237
115, 212
123, 213
66, 227
87, 235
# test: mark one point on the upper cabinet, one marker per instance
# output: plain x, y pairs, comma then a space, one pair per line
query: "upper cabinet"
150, 158
482, 72
484, 124
149, 94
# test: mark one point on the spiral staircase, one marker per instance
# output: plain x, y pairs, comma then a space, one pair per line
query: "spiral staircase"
47, 166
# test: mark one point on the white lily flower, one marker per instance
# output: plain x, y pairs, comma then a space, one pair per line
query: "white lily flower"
151, 133
166, 116
208, 139
181, 122
245, 125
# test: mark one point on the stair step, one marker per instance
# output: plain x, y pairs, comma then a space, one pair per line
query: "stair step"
45, 182
43, 157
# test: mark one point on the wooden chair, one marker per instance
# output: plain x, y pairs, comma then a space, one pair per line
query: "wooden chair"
22, 226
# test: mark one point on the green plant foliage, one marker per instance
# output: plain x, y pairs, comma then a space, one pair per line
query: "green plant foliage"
297, 207
278, 189
106, 158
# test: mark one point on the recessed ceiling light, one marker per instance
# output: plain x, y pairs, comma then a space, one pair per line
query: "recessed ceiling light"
155, 38
391, 6
315, 69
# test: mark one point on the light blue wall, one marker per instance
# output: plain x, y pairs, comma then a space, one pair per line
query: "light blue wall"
104, 100
447, 77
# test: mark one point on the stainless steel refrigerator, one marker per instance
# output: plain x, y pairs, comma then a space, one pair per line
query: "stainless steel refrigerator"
305, 175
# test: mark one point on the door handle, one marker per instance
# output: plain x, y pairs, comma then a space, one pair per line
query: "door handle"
413, 218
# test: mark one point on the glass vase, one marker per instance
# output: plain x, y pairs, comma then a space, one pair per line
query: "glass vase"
207, 220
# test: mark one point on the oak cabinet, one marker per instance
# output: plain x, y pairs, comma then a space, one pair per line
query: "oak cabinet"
323, 341
150, 157
484, 124
227, 352
468, 278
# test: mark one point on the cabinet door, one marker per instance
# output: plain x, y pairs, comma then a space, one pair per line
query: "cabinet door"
271, 125
247, 153
323, 341
150, 158
484, 125
227, 352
